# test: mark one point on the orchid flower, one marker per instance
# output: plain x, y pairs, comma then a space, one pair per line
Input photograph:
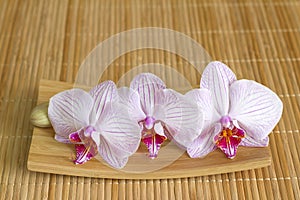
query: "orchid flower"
162, 113
96, 122
237, 112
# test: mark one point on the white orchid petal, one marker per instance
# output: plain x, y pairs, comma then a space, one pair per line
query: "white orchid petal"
250, 142
159, 129
69, 111
256, 108
103, 94
204, 144
95, 137
217, 78
146, 85
182, 117
203, 98
131, 99
63, 139
107, 153
121, 135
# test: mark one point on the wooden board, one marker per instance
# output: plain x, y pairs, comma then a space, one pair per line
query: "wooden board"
48, 155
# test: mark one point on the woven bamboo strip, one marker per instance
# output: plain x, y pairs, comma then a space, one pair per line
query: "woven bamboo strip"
114, 190
215, 193
184, 186
192, 188
93, 189
69, 42
108, 188
240, 185
262, 185
129, 189
224, 182
157, 190
199, 187
150, 189
164, 189
220, 189
5, 39
122, 189
101, 189
178, 189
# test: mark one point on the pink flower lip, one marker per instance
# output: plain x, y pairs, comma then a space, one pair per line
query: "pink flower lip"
153, 142
228, 140
74, 138
150, 137
84, 151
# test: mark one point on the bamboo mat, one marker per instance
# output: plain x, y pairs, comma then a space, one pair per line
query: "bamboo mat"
43, 39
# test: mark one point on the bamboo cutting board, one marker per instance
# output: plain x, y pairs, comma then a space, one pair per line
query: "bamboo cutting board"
49, 156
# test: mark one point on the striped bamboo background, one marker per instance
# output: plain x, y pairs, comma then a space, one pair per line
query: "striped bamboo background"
259, 40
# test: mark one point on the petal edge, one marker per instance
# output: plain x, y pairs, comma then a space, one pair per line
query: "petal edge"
256, 108
217, 78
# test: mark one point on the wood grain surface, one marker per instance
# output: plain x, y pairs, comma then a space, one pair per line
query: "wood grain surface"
258, 39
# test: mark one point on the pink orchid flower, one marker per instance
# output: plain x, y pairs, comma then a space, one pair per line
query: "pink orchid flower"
163, 113
237, 112
96, 122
